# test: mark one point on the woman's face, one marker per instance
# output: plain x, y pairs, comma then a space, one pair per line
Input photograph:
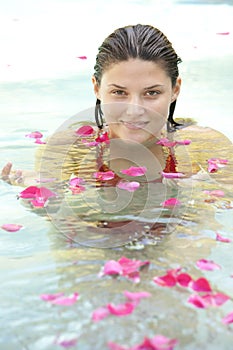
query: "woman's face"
135, 98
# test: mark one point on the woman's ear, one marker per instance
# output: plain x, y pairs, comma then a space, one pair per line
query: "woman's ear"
96, 87
176, 89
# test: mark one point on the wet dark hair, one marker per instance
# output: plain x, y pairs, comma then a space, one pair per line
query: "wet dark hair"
137, 41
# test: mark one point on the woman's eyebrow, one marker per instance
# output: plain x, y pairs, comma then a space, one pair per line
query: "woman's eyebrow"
117, 86
153, 86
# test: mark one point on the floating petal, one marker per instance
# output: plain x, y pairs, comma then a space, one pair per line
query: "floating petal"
172, 175
102, 138
121, 309
134, 171
166, 142
129, 186
67, 343
165, 281
104, 175
100, 313
228, 318
220, 238
136, 296
85, 130
184, 279
66, 301
208, 265
11, 227
112, 267
215, 193
201, 285
35, 135
171, 202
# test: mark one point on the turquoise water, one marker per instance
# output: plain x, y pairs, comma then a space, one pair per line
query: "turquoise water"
42, 85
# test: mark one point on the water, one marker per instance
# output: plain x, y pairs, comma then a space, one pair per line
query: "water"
42, 85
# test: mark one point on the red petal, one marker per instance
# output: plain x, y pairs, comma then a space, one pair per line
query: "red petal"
198, 301
136, 296
171, 202
165, 281
112, 267
184, 279
85, 130
201, 285
134, 171
129, 186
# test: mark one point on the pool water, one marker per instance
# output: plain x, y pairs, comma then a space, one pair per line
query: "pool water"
47, 256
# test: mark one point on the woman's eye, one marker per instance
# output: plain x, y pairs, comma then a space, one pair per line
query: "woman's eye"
119, 92
152, 93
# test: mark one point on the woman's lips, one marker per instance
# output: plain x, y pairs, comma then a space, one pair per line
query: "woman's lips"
134, 125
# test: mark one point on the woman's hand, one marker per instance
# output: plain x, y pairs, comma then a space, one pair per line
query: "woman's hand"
11, 177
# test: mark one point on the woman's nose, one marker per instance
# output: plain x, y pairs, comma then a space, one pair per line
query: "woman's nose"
134, 108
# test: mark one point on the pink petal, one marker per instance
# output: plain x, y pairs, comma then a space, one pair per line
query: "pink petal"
197, 301
85, 130
209, 265
228, 318
212, 167
66, 301
35, 135
215, 193
136, 296
67, 343
112, 267
100, 313
184, 142
121, 309
172, 175
223, 33
222, 239
82, 57
184, 279
133, 265
171, 202
77, 189
165, 281
38, 203
89, 144
76, 181
201, 285
166, 143
128, 186
135, 171
11, 227
43, 192
218, 161
218, 299
160, 342
39, 141
50, 297
114, 346
103, 138
104, 175
29, 192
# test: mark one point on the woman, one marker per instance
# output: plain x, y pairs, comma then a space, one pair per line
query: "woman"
136, 83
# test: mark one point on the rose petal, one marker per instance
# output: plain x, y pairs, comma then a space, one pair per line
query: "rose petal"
209, 265
136, 296
85, 130
100, 313
112, 267
50, 297
76, 181
104, 175
201, 285
67, 343
121, 309
129, 186
165, 281
223, 33
184, 142
215, 193
171, 202
134, 171
114, 346
11, 227
172, 175
77, 189
228, 318
222, 239
218, 299
82, 57
65, 301
35, 135
89, 144
198, 301
166, 142
184, 279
